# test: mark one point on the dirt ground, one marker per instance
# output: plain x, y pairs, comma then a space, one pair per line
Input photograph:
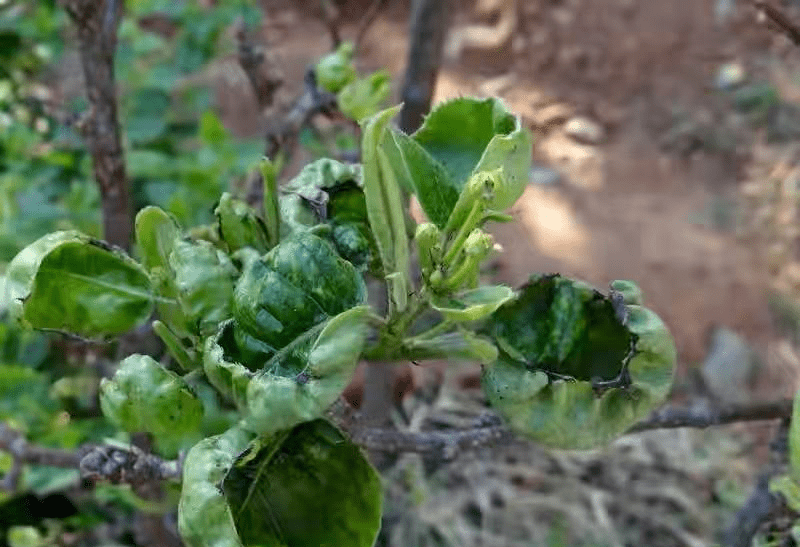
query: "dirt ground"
679, 190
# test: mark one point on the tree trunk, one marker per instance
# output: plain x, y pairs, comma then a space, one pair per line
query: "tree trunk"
96, 22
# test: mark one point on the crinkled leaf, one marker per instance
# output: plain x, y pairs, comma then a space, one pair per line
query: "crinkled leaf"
156, 232
239, 226
204, 278
145, 396
294, 287
472, 304
335, 70
364, 97
228, 376
69, 282
559, 340
458, 139
204, 516
385, 207
307, 486
302, 380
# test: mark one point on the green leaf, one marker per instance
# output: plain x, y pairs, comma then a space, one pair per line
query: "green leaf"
204, 278
302, 380
330, 193
307, 486
156, 232
212, 132
204, 516
787, 486
472, 304
460, 344
69, 282
794, 438
143, 396
294, 287
364, 97
573, 373
147, 118
461, 138
239, 226
335, 70
223, 371
385, 208
272, 218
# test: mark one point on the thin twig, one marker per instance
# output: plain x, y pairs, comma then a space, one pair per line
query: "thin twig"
115, 464
366, 22
780, 19
762, 504
702, 416
263, 75
330, 16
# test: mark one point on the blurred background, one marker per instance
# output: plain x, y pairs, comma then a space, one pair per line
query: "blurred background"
666, 151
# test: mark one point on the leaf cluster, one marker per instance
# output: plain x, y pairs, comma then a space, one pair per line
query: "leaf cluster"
270, 308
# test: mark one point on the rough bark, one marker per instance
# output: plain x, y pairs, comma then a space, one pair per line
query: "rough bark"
96, 22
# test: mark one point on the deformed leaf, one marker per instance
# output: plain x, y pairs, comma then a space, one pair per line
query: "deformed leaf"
143, 396
294, 287
385, 207
335, 70
472, 304
461, 138
303, 379
204, 516
364, 97
571, 372
204, 278
459, 344
156, 232
307, 486
69, 282
239, 226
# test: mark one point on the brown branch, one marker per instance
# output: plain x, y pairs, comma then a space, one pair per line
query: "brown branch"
96, 22
762, 504
312, 101
330, 16
429, 21
118, 465
779, 19
702, 416
263, 75
367, 20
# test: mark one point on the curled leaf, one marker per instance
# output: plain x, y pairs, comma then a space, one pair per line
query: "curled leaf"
336, 70
571, 374
472, 304
458, 139
70, 282
144, 396
308, 485
239, 226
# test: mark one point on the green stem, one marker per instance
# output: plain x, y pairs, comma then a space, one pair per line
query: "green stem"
436, 330
475, 215
174, 345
